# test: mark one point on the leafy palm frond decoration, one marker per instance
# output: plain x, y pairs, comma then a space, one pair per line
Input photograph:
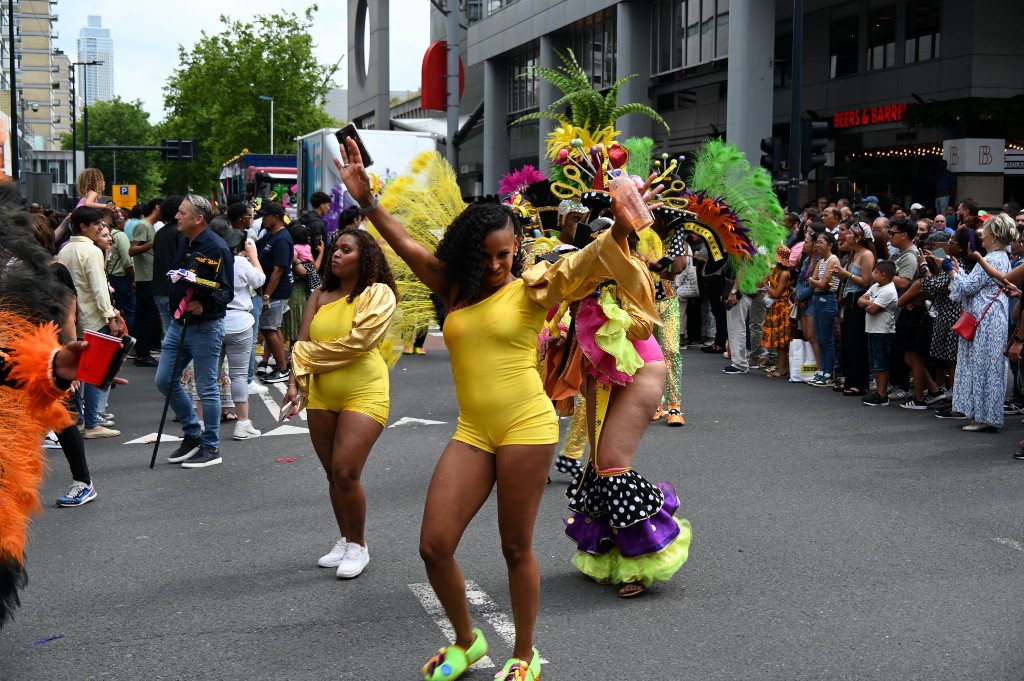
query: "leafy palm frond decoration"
590, 109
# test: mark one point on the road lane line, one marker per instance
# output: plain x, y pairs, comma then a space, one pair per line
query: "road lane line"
429, 601
494, 615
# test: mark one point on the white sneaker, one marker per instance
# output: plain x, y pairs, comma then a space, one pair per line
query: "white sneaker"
256, 388
355, 560
333, 559
244, 430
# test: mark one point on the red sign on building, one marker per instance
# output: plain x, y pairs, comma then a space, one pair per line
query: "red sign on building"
855, 118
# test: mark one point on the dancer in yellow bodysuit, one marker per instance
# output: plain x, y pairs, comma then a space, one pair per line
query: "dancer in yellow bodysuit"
507, 427
339, 375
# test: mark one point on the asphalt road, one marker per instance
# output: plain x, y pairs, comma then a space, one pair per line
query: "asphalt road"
831, 541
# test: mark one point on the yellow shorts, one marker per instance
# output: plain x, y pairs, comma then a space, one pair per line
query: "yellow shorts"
362, 387
538, 429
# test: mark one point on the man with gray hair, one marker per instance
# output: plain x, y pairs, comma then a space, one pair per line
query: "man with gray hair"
201, 287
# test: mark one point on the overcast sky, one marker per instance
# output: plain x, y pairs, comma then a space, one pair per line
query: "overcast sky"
146, 36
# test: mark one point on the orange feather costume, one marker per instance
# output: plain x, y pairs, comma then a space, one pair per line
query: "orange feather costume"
30, 405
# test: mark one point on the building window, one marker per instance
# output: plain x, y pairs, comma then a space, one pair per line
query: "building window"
686, 33
843, 48
522, 90
474, 11
922, 22
783, 66
881, 52
593, 43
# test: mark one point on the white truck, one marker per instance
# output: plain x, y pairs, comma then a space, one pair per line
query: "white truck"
392, 150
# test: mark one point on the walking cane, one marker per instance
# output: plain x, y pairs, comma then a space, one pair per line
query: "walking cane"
179, 314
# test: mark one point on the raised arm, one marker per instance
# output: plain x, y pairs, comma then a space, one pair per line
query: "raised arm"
422, 262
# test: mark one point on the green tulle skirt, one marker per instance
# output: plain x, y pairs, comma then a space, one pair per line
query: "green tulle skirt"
613, 568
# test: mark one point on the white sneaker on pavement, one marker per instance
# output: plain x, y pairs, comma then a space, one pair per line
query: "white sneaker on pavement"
333, 559
257, 388
244, 430
354, 562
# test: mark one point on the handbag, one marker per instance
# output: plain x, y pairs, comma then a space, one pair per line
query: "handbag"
687, 286
803, 289
966, 325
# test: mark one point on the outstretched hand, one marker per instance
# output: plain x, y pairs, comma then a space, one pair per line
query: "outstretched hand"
353, 173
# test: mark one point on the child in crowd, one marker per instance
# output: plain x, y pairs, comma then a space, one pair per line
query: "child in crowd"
879, 302
778, 331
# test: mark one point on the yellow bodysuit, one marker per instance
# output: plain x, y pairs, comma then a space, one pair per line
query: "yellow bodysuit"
340, 367
493, 347
493, 344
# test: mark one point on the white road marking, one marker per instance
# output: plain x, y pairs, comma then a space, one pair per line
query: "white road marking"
405, 420
1012, 543
286, 430
494, 615
151, 438
435, 610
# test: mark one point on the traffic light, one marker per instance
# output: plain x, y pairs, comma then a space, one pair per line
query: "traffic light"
771, 159
812, 147
178, 150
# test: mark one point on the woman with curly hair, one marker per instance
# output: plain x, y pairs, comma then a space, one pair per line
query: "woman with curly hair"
340, 377
507, 428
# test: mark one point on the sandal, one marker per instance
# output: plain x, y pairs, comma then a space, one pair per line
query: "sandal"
631, 590
228, 416
775, 373
712, 349
452, 661
853, 392
660, 413
518, 670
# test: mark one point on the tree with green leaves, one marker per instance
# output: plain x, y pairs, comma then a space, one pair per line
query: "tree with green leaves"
117, 122
213, 97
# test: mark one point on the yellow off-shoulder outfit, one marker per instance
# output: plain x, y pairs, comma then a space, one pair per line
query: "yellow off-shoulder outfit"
340, 367
493, 345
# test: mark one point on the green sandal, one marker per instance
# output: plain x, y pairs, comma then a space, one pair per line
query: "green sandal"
517, 670
452, 661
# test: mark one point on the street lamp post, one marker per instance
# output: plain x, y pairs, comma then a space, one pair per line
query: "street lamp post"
13, 132
271, 100
74, 118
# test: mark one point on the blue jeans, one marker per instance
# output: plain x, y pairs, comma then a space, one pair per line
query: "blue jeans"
202, 344
823, 309
163, 306
124, 296
257, 309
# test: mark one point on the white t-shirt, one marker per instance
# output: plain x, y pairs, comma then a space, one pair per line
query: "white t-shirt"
239, 313
884, 297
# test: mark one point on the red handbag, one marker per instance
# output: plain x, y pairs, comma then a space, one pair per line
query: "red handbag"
966, 325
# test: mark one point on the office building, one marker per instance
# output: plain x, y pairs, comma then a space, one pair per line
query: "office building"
94, 44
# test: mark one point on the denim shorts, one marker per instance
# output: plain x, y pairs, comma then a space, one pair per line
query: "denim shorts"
271, 317
879, 345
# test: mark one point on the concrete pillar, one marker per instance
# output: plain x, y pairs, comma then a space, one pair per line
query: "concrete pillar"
547, 95
748, 115
496, 146
633, 55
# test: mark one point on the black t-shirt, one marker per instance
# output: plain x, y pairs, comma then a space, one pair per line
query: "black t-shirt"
165, 246
317, 231
64, 275
275, 250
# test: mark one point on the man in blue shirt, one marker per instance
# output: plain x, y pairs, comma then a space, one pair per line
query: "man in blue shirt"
275, 254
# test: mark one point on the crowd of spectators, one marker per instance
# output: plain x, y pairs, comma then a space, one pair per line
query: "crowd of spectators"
116, 262
876, 298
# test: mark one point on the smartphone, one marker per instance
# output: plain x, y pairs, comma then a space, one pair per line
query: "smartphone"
939, 253
349, 131
973, 236
661, 265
